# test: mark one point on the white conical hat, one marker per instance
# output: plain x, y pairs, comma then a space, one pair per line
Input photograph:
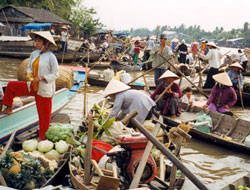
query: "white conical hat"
115, 86
65, 27
223, 78
46, 35
168, 74
236, 65
211, 44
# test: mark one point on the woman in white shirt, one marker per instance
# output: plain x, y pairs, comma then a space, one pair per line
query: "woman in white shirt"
42, 72
243, 59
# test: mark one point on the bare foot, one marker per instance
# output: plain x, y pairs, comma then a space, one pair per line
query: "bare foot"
173, 116
8, 111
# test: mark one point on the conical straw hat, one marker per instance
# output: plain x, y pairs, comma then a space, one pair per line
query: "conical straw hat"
223, 78
46, 35
115, 86
236, 65
211, 44
65, 27
168, 74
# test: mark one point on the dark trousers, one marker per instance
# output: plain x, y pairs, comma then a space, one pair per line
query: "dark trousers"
158, 73
244, 65
210, 82
182, 58
64, 46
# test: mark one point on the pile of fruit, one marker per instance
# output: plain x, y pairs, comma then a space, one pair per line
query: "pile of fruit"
241, 187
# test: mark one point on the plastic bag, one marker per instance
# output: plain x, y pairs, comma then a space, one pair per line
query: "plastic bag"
203, 118
247, 141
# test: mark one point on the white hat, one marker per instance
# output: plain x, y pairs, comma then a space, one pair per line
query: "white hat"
152, 38
46, 35
168, 74
236, 65
223, 78
175, 40
183, 41
65, 27
211, 44
115, 86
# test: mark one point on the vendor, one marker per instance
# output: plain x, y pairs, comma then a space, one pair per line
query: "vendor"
127, 100
222, 96
235, 75
168, 105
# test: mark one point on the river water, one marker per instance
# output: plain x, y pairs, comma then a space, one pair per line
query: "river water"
215, 166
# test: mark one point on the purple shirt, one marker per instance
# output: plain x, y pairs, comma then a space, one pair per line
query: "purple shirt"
222, 96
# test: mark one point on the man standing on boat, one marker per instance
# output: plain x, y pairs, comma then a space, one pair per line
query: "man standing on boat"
183, 51
169, 103
214, 60
127, 100
243, 59
235, 75
222, 96
166, 52
64, 40
42, 72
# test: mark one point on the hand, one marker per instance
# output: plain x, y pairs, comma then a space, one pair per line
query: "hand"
36, 79
169, 91
205, 106
191, 103
236, 77
173, 55
226, 106
156, 51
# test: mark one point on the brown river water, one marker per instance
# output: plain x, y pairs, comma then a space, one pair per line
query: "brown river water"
215, 166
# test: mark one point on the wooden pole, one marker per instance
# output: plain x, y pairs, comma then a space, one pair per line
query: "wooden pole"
88, 153
148, 71
185, 76
241, 98
146, 83
85, 89
166, 89
7, 22
172, 157
144, 159
200, 75
174, 168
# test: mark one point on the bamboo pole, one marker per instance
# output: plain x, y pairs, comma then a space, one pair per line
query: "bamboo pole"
146, 83
172, 157
174, 169
85, 89
184, 76
88, 153
166, 89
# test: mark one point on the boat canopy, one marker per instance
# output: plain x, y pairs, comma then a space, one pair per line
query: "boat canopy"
36, 26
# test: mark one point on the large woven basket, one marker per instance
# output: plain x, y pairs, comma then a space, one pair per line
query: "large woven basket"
65, 79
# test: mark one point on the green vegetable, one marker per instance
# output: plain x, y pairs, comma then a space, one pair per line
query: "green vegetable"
30, 145
59, 131
62, 146
45, 146
53, 155
104, 128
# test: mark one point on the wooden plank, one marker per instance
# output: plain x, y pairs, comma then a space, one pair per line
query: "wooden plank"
8, 144
97, 168
218, 123
108, 183
233, 127
174, 169
162, 167
144, 159
88, 154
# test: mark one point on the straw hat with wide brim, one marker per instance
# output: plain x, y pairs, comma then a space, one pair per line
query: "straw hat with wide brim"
65, 27
223, 78
211, 44
115, 86
236, 65
46, 35
168, 74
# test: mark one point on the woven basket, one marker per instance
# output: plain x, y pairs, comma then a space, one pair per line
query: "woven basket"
65, 79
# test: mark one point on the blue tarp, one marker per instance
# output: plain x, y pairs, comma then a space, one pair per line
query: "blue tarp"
121, 34
36, 26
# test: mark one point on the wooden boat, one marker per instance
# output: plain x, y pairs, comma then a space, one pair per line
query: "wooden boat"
227, 131
245, 95
21, 48
242, 181
26, 117
96, 80
16, 145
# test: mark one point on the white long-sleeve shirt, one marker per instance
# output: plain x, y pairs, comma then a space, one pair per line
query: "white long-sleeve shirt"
48, 67
214, 58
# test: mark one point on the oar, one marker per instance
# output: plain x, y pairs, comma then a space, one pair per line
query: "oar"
241, 98
166, 60
184, 76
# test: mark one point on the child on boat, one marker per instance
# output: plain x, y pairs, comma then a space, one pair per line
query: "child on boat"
188, 97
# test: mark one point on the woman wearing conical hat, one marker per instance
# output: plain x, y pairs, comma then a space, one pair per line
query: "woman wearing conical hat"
127, 100
168, 105
42, 72
222, 96
235, 75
